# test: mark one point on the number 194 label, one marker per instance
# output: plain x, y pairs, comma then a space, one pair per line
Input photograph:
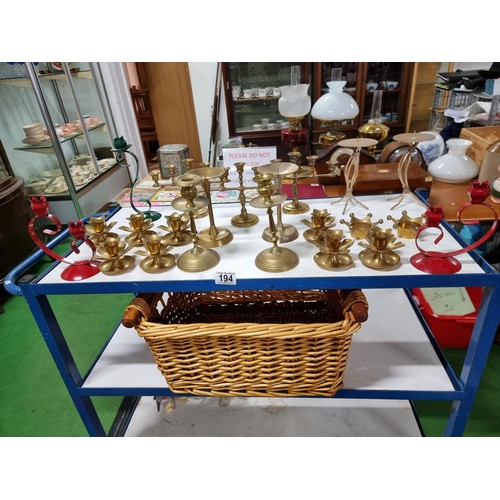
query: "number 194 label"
225, 278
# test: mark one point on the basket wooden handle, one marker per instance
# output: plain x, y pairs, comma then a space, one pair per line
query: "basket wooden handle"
139, 308
354, 300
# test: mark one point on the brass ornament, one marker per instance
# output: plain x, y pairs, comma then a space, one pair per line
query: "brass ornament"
243, 219
379, 249
213, 236
321, 220
139, 227
157, 259
334, 251
359, 227
98, 230
115, 261
406, 226
178, 233
285, 232
275, 259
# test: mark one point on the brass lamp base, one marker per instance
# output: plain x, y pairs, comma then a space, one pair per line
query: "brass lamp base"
276, 260
198, 259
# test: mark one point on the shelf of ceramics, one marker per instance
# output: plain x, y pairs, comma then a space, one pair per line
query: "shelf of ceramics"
46, 146
246, 100
24, 81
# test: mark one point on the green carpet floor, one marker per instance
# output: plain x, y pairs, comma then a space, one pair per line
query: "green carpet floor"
34, 401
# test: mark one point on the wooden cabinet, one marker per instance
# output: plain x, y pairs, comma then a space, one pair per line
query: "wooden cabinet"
394, 78
245, 114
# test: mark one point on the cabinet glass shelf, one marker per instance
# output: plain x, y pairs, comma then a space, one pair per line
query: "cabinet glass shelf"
47, 147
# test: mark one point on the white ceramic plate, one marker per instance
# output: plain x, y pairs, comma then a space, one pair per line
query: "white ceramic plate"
432, 149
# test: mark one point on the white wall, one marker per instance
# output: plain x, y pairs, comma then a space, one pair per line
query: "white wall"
203, 76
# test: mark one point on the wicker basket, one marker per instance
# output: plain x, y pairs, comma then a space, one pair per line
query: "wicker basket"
250, 343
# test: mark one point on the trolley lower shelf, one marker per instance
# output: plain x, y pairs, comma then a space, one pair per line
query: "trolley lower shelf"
272, 417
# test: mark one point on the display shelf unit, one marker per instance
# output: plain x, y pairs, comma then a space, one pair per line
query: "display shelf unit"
393, 356
70, 111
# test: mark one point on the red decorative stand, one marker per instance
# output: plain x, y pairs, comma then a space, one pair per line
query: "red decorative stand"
78, 269
433, 262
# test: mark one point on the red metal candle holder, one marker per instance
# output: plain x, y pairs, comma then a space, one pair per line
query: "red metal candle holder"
434, 262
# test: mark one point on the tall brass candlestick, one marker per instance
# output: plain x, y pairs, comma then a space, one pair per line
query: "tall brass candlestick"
197, 259
285, 232
214, 236
244, 219
275, 259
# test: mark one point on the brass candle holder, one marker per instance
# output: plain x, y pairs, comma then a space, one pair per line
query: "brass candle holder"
275, 259
334, 251
320, 222
359, 227
404, 162
406, 226
98, 230
285, 232
139, 227
197, 258
379, 249
155, 175
351, 169
213, 236
157, 259
296, 206
178, 232
115, 261
243, 219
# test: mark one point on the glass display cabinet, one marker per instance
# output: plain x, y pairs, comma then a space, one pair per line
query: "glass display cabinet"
57, 129
252, 91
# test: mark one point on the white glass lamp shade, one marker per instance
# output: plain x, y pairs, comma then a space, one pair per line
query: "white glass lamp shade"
294, 100
335, 105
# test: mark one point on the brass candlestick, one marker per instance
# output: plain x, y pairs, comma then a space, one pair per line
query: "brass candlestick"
296, 206
380, 245
334, 251
320, 221
404, 162
359, 227
198, 258
115, 261
178, 233
98, 230
274, 259
243, 219
406, 226
157, 259
139, 227
285, 232
214, 236
351, 169
155, 175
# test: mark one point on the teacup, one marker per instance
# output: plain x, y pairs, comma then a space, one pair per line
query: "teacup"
371, 86
391, 85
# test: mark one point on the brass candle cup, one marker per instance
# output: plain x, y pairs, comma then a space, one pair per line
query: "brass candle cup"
359, 228
406, 226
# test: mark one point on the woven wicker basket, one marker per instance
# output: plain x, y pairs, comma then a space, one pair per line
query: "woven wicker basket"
250, 343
